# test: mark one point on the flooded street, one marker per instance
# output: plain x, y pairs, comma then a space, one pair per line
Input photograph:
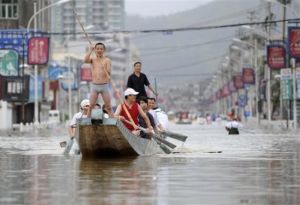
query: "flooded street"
254, 167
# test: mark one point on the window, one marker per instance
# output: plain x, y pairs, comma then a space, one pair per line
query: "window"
9, 9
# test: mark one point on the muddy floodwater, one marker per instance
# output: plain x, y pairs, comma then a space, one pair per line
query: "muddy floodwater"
255, 167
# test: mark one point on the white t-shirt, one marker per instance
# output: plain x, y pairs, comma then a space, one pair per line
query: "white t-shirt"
233, 124
162, 118
153, 113
76, 117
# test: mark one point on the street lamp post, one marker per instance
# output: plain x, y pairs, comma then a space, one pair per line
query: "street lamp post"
33, 17
254, 56
68, 78
293, 65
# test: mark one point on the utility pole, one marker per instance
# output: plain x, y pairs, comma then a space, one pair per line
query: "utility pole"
284, 42
269, 18
293, 65
254, 57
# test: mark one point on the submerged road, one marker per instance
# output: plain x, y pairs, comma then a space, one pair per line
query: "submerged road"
255, 167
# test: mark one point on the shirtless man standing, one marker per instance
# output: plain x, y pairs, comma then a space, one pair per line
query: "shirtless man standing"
101, 70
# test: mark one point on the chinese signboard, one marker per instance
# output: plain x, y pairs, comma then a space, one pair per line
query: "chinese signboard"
238, 82
286, 84
15, 39
31, 88
276, 56
248, 76
15, 88
38, 50
231, 86
54, 71
298, 82
85, 72
225, 91
294, 42
9, 62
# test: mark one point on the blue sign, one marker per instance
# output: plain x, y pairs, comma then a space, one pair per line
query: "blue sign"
65, 81
242, 100
54, 71
16, 39
31, 88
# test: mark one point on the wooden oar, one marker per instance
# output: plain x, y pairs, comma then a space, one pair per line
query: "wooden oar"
69, 145
174, 135
163, 147
157, 138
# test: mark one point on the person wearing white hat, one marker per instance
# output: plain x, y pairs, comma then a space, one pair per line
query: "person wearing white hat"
130, 110
84, 106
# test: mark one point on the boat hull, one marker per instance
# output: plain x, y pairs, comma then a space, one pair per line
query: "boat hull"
112, 139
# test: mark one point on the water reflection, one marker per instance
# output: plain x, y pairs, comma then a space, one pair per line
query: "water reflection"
115, 181
252, 169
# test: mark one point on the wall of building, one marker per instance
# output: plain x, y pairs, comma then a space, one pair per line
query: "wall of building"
6, 115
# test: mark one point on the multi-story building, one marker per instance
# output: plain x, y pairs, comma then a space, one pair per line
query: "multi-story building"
14, 14
96, 14
14, 18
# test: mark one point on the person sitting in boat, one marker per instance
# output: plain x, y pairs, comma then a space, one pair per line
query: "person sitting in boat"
129, 111
84, 106
160, 123
143, 101
97, 114
233, 127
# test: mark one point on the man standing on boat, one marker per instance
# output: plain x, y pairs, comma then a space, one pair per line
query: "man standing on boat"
101, 72
129, 111
139, 80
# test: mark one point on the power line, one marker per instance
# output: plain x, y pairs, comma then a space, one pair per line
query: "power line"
183, 75
187, 46
187, 65
179, 29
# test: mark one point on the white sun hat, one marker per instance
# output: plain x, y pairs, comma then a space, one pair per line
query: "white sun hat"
84, 103
130, 91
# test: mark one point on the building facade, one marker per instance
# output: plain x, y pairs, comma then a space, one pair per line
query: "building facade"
95, 15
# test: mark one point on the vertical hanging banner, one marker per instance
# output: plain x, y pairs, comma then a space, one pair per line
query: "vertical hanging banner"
225, 91
276, 56
286, 83
238, 82
232, 88
298, 81
248, 76
294, 42
38, 50
86, 72
298, 63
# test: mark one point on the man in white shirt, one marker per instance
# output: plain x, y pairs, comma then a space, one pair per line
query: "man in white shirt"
151, 110
233, 127
84, 106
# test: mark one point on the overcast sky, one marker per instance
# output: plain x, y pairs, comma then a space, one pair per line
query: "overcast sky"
160, 7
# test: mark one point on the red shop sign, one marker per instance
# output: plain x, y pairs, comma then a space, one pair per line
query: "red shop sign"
276, 56
38, 50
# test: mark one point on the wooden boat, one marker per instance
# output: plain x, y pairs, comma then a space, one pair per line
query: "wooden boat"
113, 139
184, 122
